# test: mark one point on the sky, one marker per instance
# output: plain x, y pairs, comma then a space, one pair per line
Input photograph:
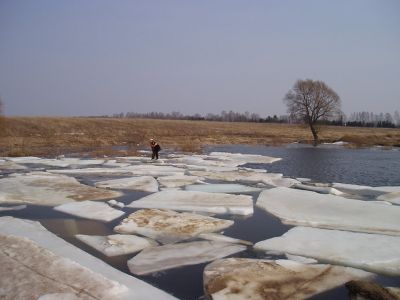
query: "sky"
97, 57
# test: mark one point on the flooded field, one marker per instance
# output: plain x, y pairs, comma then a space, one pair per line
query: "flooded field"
312, 167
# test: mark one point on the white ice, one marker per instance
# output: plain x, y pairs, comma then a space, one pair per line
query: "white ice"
169, 226
120, 286
372, 252
318, 189
197, 202
221, 188
354, 187
91, 210
116, 244
393, 197
7, 208
170, 256
63, 162
178, 181
307, 208
259, 279
223, 238
244, 158
142, 183
42, 188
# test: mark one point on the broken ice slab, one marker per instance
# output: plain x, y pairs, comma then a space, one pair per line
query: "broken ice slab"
116, 244
222, 188
137, 170
307, 208
393, 197
223, 238
178, 181
142, 183
203, 161
170, 256
197, 202
354, 187
62, 163
90, 210
41, 263
245, 278
318, 189
244, 158
9, 165
169, 226
372, 252
42, 188
7, 208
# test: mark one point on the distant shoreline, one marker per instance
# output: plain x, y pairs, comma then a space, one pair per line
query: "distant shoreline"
52, 136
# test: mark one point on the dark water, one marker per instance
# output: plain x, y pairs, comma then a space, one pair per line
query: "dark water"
373, 166
367, 167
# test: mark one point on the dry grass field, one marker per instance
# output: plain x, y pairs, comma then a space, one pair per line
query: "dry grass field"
50, 136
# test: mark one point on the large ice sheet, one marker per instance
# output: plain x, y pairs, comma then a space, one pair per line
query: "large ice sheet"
116, 244
90, 210
165, 257
43, 188
239, 176
306, 208
257, 279
9, 165
169, 226
198, 202
354, 187
70, 268
372, 252
63, 162
244, 158
222, 188
178, 181
142, 183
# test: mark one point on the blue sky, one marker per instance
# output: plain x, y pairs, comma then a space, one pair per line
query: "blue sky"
102, 57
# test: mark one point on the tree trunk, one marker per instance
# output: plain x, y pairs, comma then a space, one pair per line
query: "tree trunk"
314, 133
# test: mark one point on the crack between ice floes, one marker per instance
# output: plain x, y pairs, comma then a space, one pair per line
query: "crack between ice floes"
76, 290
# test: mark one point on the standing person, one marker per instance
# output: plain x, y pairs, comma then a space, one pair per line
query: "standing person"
155, 148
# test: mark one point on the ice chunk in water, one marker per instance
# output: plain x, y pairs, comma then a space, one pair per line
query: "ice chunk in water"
178, 181
116, 244
221, 188
143, 183
318, 189
299, 207
393, 197
168, 226
371, 252
166, 257
91, 210
244, 158
6, 208
198, 202
244, 278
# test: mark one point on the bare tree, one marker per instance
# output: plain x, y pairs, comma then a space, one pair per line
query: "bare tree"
309, 101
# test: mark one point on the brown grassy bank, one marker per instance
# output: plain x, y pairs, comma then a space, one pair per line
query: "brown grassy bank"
50, 136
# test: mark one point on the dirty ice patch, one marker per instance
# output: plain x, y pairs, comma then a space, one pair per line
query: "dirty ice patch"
222, 188
217, 203
170, 256
99, 211
116, 244
169, 226
142, 183
244, 158
42, 188
245, 278
372, 252
307, 208
66, 268
178, 181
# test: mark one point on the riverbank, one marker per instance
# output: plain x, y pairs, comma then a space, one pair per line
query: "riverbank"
49, 136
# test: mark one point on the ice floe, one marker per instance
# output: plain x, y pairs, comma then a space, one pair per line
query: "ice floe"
393, 197
116, 244
7, 208
372, 252
222, 188
9, 165
39, 263
318, 189
43, 188
90, 210
354, 187
244, 158
244, 278
115, 203
307, 208
178, 181
223, 238
142, 183
170, 256
197, 202
168, 226
62, 163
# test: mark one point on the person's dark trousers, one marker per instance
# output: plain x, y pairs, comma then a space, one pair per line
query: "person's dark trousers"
154, 154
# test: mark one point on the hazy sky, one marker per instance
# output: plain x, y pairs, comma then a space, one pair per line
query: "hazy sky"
98, 57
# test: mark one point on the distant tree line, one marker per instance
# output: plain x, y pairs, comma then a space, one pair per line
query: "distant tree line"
356, 119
